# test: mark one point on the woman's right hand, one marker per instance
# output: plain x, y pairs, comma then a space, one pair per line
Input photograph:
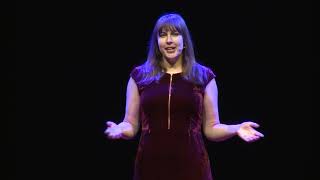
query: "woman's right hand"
113, 130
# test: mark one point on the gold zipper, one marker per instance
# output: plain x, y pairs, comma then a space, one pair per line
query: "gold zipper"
169, 101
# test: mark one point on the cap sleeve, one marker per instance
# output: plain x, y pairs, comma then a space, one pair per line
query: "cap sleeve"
210, 75
135, 74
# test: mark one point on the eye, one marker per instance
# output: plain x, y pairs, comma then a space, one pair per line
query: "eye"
176, 33
162, 34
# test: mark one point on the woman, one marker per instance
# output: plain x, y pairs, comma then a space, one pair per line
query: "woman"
175, 99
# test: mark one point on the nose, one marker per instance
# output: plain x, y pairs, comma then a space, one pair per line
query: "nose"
169, 39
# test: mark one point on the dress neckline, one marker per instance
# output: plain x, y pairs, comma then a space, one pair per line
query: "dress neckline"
173, 73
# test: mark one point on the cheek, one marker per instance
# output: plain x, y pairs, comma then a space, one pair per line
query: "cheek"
181, 45
161, 43
180, 42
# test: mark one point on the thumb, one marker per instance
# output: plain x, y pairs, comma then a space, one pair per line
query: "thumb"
110, 124
255, 125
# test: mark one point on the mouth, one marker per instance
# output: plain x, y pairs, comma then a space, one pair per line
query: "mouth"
170, 49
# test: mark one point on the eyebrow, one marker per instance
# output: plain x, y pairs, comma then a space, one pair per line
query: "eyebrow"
165, 31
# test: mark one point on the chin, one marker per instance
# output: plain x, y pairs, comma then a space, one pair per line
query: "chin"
172, 57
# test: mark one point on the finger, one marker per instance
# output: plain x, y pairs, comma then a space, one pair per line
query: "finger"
259, 134
107, 131
253, 138
253, 124
250, 139
111, 137
110, 124
114, 136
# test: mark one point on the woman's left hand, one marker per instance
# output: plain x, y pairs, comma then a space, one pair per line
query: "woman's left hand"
247, 132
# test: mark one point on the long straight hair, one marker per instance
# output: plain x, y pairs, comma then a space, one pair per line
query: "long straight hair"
152, 70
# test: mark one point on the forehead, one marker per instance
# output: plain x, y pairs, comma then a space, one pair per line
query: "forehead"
167, 28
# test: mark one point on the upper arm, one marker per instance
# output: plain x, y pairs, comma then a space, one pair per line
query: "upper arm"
211, 111
132, 103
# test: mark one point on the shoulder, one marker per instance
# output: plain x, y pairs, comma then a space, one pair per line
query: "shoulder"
136, 72
136, 69
203, 68
207, 73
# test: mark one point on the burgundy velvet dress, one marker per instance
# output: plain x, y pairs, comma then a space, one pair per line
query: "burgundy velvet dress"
171, 144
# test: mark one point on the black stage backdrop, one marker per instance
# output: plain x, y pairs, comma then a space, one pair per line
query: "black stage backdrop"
73, 62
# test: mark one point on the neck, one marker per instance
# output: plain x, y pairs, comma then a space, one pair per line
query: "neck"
172, 66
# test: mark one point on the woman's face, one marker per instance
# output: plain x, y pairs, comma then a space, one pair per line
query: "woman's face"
170, 45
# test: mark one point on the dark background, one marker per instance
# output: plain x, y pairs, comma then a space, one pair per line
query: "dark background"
73, 62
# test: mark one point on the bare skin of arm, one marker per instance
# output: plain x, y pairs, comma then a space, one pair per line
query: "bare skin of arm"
216, 131
129, 127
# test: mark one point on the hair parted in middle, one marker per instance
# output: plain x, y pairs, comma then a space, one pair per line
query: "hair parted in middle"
152, 69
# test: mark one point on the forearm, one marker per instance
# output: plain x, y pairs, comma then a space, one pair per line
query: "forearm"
128, 130
221, 132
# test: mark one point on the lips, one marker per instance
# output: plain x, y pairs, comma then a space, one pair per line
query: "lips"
170, 48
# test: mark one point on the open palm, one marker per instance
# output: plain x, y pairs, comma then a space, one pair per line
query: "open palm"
113, 131
247, 132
